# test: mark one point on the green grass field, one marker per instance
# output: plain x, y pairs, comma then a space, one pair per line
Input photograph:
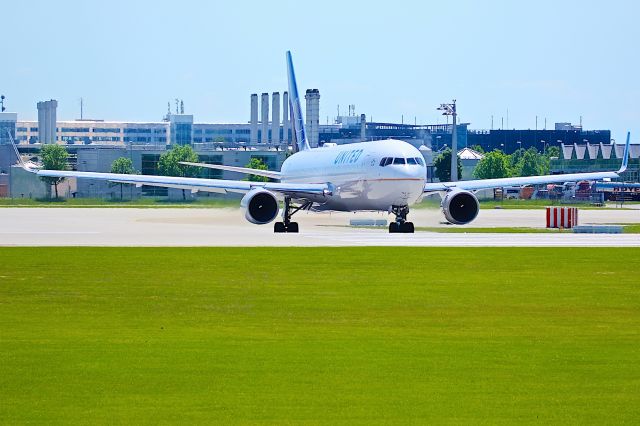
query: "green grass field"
319, 335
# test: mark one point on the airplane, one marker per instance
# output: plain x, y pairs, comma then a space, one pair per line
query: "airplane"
385, 175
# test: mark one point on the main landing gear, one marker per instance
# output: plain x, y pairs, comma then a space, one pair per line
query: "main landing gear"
401, 225
290, 210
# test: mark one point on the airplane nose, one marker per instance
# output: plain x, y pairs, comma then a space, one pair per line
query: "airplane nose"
410, 172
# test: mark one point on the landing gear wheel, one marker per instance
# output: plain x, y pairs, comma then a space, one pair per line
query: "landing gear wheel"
286, 225
407, 228
401, 224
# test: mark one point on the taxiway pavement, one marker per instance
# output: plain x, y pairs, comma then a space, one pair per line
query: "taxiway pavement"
227, 227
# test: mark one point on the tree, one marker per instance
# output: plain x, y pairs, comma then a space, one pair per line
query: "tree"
169, 163
514, 159
257, 164
442, 164
122, 166
552, 151
477, 148
495, 164
54, 157
531, 163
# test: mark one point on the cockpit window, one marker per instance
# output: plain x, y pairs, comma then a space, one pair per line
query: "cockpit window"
385, 161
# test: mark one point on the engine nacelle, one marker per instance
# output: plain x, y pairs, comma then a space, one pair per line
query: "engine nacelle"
259, 206
460, 207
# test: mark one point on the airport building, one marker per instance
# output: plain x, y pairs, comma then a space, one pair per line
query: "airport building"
271, 126
595, 157
509, 141
268, 134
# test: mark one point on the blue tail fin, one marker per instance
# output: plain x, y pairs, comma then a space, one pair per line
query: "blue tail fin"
296, 111
625, 156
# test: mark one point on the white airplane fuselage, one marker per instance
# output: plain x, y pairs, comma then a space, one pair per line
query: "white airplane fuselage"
358, 180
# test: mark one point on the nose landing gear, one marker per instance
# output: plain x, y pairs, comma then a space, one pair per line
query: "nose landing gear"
401, 225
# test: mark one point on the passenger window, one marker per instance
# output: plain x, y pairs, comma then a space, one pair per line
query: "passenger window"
389, 161
411, 161
398, 161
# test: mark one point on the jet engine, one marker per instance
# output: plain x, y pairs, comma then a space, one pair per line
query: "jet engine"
460, 207
259, 206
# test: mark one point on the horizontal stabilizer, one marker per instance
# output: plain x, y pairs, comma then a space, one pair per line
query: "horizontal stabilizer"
266, 173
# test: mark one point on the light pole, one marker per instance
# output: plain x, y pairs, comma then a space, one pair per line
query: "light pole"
450, 109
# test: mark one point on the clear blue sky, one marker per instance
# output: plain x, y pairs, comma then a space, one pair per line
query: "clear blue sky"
555, 59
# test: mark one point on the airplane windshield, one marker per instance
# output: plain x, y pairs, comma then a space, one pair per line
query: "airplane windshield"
385, 161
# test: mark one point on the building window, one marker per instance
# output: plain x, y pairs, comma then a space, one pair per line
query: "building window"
137, 130
150, 167
103, 130
182, 134
210, 173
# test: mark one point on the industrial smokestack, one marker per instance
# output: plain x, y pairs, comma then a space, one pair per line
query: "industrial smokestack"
54, 119
363, 127
265, 118
41, 122
313, 116
47, 120
254, 119
275, 118
285, 117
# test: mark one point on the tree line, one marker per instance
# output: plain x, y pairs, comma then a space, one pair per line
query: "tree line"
497, 164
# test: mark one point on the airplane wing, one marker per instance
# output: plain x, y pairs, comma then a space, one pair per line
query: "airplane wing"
474, 185
296, 190
246, 170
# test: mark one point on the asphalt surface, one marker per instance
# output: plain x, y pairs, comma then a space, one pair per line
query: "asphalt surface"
227, 227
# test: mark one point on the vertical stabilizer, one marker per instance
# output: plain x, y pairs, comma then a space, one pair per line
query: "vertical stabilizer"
301, 141
625, 156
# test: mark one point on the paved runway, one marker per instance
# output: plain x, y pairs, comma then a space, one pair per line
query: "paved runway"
227, 227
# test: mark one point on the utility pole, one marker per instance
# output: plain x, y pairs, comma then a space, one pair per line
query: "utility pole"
450, 109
